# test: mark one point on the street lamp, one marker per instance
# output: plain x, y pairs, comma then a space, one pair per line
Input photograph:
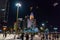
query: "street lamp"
17, 5
55, 29
43, 24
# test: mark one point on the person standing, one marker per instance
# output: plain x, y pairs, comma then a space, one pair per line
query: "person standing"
22, 36
27, 36
5, 34
32, 36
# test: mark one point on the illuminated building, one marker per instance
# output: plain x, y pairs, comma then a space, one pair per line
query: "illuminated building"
3, 13
31, 22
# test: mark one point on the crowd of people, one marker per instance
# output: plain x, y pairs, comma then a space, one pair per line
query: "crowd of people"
26, 36
32, 35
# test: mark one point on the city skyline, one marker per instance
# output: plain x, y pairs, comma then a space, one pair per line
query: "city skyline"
43, 11
30, 19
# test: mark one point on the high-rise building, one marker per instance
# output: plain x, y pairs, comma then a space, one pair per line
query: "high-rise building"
3, 12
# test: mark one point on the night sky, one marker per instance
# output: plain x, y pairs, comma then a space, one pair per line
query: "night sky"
44, 10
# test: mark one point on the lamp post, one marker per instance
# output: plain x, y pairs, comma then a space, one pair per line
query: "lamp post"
17, 5
55, 29
43, 24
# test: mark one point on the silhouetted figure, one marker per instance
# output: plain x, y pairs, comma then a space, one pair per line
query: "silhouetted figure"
32, 36
22, 36
27, 37
42, 38
4, 35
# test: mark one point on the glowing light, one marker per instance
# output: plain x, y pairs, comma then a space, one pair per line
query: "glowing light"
41, 28
55, 28
4, 28
18, 4
31, 16
55, 4
43, 24
3, 9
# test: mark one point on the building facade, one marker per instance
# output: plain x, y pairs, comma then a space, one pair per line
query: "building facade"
3, 12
